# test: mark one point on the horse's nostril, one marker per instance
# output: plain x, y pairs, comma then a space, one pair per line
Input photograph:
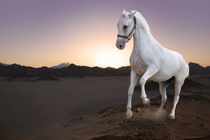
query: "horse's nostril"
119, 45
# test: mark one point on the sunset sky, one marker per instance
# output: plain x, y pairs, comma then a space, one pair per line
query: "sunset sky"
48, 32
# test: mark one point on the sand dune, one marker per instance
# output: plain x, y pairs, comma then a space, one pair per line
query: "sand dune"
66, 109
192, 122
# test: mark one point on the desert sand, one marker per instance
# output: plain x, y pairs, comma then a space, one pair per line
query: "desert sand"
94, 108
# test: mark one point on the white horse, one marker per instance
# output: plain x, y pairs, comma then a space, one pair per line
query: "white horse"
150, 60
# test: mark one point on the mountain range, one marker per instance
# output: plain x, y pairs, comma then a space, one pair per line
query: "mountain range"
15, 71
62, 65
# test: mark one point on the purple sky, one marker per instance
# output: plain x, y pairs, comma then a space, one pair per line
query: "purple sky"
48, 32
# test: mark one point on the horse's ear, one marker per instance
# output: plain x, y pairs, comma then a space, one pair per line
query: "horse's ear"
132, 13
124, 12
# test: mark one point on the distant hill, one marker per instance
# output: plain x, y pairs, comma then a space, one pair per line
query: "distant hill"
3, 64
198, 69
15, 71
62, 65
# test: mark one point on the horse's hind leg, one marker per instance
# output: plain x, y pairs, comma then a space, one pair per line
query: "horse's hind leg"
178, 85
162, 88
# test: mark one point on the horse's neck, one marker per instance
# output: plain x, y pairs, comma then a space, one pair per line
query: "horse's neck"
145, 45
142, 35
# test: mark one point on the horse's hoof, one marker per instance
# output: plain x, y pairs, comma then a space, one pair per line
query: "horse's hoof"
129, 114
171, 117
146, 102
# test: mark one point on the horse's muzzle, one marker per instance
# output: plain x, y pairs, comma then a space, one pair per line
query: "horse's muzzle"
120, 45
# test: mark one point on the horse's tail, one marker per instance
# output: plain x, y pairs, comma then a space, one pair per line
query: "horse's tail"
187, 70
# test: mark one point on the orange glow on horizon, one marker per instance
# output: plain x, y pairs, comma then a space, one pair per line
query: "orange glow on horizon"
95, 48
84, 32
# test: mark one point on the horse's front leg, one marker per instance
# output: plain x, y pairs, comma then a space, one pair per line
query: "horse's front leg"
133, 80
151, 70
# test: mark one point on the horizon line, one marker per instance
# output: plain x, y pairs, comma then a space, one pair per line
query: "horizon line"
83, 65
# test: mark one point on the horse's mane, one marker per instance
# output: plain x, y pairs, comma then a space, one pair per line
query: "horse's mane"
141, 21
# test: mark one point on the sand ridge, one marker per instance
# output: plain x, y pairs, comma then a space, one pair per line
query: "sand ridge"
110, 123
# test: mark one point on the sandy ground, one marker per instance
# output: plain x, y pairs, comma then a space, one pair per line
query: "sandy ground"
27, 107
192, 122
67, 109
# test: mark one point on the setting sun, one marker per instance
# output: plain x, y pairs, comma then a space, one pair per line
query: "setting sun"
109, 59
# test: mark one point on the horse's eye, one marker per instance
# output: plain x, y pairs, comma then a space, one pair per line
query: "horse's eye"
125, 27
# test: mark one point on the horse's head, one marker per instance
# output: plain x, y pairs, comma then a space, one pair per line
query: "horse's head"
126, 28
